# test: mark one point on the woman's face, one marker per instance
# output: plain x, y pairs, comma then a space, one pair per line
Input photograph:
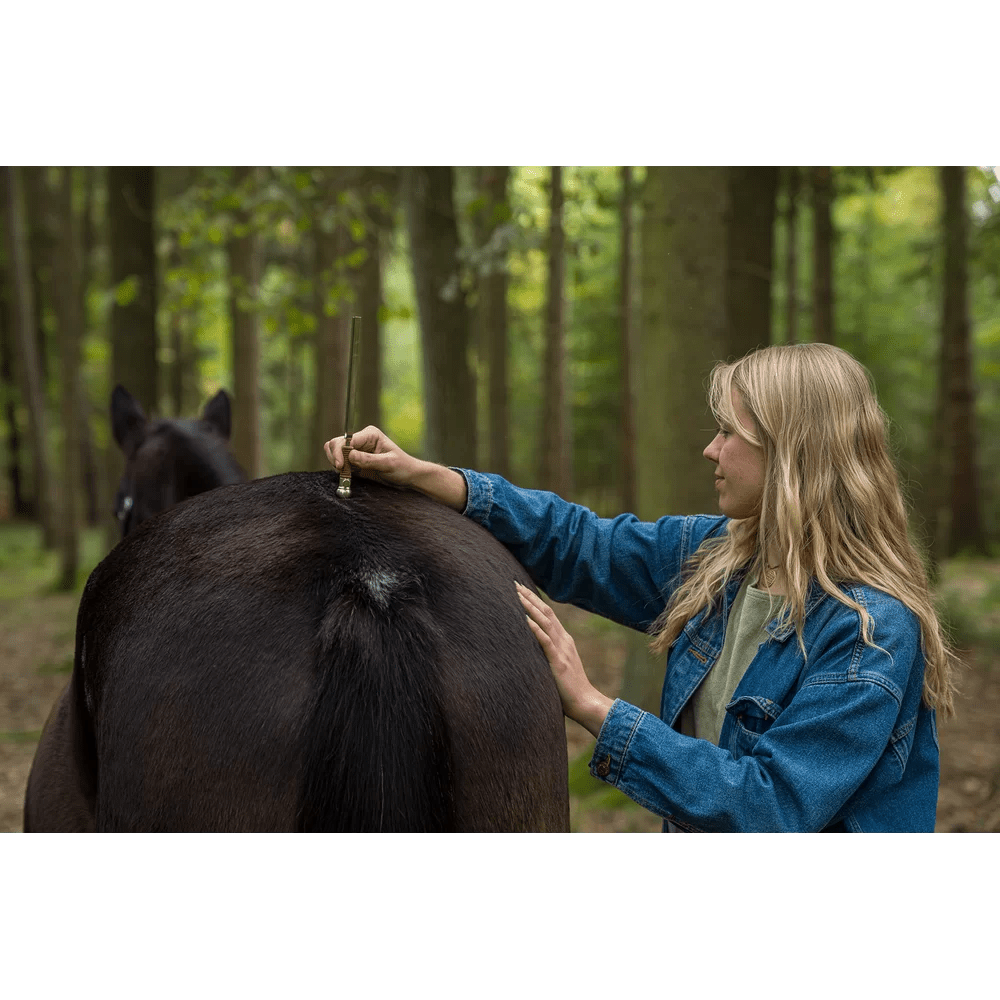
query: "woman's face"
739, 467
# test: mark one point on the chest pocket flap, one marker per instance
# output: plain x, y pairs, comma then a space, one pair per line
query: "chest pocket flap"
754, 714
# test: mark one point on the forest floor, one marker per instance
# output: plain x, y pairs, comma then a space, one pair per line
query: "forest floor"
37, 633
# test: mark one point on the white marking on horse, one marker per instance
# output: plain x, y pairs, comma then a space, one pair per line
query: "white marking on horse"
380, 583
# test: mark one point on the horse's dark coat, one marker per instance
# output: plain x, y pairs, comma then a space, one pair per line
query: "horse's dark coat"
270, 656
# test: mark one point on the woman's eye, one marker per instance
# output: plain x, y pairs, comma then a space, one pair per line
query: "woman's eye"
723, 432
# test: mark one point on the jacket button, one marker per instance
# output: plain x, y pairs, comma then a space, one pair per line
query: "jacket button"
604, 768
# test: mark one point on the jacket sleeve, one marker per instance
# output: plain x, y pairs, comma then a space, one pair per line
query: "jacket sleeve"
621, 568
799, 774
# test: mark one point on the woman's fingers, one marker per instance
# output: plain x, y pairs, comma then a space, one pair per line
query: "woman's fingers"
544, 620
537, 609
370, 448
581, 701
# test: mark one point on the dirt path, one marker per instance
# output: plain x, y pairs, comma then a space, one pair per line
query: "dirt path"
36, 648
36, 654
969, 797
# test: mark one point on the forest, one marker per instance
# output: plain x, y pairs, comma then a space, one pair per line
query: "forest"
555, 325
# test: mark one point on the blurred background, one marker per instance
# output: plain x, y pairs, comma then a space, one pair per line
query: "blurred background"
553, 324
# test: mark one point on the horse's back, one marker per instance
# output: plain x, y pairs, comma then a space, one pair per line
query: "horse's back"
272, 656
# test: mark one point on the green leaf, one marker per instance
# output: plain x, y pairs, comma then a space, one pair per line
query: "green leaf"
357, 257
127, 291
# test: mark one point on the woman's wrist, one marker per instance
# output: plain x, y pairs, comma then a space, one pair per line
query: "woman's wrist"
591, 711
440, 483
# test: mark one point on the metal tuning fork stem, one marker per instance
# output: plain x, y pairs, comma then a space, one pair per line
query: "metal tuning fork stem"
344, 489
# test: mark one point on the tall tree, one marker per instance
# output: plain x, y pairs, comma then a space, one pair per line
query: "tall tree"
627, 442
822, 200
753, 193
791, 255
41, 240
243, 280
178, 348
26, 348
957, 519
684, 333
449, 384
133, 277
88, 456
492, 231
330, 243
21, 506
67, 305
555, 454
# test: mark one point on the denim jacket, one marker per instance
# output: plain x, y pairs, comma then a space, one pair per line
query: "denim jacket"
838, 741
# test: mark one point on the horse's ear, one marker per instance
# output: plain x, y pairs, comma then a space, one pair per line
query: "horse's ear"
127, 418
217, 413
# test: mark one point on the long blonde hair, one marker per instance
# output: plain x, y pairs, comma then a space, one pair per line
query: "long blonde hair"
831, 507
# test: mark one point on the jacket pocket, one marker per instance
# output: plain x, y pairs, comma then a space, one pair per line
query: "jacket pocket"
751, 717
901, 741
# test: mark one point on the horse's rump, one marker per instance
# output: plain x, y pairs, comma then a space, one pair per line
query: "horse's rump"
271, 656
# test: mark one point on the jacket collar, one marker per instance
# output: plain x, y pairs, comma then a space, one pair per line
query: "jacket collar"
814, 596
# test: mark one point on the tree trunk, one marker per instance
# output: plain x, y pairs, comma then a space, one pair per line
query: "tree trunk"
243, 281
792, 257
449, 384
176, 372
554, 453
37, 206
627, 442
492, 318
822, 193
88, 460
965, 521
330, 242
67, 304
369, 302
753, 193
294, 388
684, 333
26, 349
133, 277
20, 506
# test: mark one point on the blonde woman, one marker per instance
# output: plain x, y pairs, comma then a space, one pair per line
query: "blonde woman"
804, 658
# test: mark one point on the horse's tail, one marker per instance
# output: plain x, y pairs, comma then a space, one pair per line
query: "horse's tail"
377, 749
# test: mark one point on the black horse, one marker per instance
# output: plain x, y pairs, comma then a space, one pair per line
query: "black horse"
167, 461
270, 656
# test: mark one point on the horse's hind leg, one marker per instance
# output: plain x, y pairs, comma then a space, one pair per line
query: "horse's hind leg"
59, 798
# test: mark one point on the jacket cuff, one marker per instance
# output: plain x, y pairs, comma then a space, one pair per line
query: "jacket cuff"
613, 741
479, 494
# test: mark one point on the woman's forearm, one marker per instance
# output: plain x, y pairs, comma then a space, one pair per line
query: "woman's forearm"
440, 483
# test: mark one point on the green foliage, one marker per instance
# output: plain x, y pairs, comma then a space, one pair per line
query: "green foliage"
969, 602
886, 284
127, 290
26, 569
591, 224
402, 374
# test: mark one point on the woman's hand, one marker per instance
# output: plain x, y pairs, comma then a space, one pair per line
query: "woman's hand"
373, 456
581, 701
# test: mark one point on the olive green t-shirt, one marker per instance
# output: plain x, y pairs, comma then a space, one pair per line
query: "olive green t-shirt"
706, 711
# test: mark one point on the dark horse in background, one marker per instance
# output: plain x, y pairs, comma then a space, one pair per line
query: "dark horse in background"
269, 656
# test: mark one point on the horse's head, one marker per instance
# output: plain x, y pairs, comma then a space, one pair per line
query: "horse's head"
167, 461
